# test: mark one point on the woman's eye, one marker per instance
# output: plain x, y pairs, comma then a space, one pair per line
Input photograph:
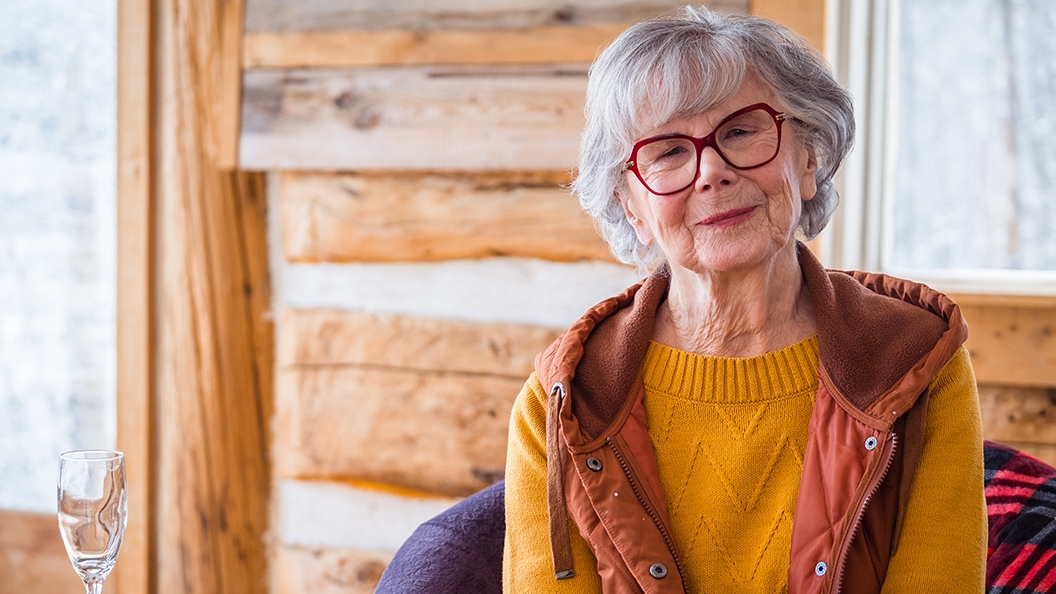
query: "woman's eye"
673, 151
736, 132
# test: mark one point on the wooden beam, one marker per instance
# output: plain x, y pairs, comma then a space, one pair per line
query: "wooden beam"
433, 118
1018, 414
441, 433
806, 17
416, 403
228, 107
412, 217
996, 301
426, 15
213, 375
134, 574
330, 337
328, 571
1012, 340
336, 49
32, 557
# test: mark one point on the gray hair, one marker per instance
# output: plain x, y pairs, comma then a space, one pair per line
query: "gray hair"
674, 67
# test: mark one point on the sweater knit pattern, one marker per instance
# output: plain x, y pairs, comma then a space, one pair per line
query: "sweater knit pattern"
729, 435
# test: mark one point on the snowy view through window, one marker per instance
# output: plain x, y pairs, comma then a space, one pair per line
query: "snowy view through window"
975, 169
57, 239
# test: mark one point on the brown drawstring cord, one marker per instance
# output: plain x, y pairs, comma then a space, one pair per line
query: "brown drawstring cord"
560, 541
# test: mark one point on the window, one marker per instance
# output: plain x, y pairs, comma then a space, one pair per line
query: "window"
57, 240
953, 179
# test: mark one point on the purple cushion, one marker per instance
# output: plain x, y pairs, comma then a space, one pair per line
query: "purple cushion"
457, 552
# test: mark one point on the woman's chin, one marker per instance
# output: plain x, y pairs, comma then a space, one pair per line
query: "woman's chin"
724, 257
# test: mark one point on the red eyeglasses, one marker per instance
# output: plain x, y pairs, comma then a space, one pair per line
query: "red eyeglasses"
746, 139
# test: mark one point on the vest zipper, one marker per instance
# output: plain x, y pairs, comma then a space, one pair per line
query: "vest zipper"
860, 514
648, 509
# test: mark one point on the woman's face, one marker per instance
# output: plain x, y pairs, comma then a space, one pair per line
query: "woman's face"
729, 219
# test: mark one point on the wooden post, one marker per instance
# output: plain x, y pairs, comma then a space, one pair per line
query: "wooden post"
213, 371
227, 104
132, 574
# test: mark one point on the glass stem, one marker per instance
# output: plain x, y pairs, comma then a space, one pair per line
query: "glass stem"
94, 587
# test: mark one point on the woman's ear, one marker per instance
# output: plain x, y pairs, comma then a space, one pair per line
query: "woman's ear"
641, 229
808, 184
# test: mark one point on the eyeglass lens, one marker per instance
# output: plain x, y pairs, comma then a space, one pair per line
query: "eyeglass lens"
747, 140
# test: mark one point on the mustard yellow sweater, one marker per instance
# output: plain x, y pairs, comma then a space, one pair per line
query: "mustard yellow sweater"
729, 436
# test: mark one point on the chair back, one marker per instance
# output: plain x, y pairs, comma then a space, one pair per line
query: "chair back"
457, 552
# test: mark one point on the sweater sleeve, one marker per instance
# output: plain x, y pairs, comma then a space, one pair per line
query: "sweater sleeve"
943, 544
527, 564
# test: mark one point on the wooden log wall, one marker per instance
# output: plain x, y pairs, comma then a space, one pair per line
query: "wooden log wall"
1012, 342
423, 249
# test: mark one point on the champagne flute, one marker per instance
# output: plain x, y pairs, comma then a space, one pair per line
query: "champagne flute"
93, 511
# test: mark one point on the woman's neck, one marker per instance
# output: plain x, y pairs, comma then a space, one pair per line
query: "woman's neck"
741, 313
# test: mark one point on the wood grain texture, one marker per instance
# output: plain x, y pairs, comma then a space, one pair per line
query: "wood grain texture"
134, 283
539, 45
415, 403
457, 117
1012, 344
409, 217
806, 17
435, 432
213, 384
327, 337
328, 571
427, 15
229, 101
1018, 414
1007, 301
32, 557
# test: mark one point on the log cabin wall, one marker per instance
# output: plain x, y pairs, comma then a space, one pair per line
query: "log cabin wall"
1012, 342
422, 248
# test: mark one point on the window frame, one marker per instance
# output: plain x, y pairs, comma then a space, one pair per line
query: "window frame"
860, 46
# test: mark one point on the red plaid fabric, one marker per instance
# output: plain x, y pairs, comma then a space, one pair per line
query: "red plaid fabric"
1021, 506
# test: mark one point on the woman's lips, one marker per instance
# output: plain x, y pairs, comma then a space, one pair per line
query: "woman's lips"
730, 217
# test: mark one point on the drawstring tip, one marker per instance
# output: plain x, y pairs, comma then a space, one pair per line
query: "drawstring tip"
564, 575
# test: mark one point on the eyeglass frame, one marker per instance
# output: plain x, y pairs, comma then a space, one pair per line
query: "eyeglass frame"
701, 143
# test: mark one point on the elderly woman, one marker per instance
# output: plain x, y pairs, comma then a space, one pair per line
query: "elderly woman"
743, 420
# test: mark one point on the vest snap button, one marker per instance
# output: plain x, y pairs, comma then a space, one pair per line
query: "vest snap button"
821, 568
870, 443
560, 389
657, 570
593, 464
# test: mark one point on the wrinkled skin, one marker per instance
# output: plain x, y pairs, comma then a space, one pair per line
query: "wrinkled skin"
730, 241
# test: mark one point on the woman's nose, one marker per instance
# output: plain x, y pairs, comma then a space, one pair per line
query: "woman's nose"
714, 171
